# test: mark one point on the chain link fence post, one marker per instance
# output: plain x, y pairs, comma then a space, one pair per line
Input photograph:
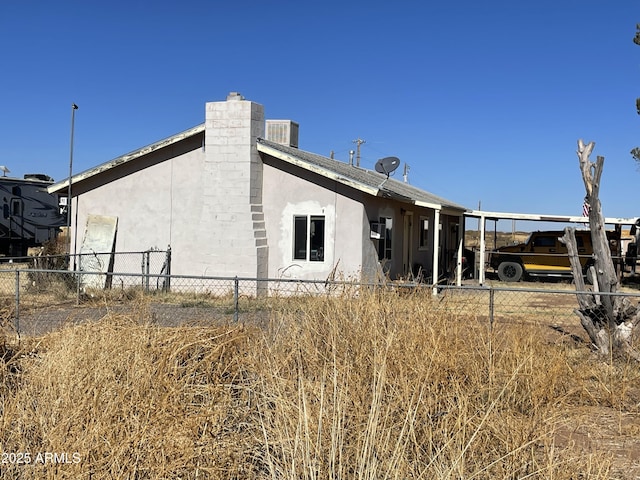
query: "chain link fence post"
491, 307
146, 259
236, 295
166, 268
17, 319
78, 281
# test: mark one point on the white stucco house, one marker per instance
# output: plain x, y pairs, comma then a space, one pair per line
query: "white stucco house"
235, 196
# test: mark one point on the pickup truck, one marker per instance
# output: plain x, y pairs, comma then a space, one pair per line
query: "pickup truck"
544, 255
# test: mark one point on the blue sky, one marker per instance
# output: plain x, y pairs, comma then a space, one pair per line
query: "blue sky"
484, 101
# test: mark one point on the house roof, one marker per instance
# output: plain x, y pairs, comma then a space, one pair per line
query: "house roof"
368, 181
127, 157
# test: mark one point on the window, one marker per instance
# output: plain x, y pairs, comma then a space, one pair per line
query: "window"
384, 244
308, 238
16, 208
545, 242
300, 238
316, 238
424, 232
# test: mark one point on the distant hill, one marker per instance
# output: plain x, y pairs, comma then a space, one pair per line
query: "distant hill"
472, 239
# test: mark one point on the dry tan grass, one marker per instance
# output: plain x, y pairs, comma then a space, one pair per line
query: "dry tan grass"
378, 386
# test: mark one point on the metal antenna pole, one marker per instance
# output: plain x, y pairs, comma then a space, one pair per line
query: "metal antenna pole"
74, 107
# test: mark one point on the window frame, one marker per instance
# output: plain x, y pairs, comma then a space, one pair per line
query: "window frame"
545, 241
423, 242
314, 248
385, 242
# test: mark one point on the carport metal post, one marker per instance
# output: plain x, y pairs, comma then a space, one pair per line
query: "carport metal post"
436, 251
459, 263
483, 246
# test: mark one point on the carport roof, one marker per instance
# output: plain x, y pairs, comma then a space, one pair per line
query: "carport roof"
368, 181
484, 215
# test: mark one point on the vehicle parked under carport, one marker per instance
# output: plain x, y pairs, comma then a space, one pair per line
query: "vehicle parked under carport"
544, 255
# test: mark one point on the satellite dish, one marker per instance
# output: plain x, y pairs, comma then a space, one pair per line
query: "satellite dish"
4, 170
387, 165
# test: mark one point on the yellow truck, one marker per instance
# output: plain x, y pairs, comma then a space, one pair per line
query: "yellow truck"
544, 255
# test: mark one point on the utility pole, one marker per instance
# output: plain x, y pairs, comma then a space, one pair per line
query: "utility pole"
358, 142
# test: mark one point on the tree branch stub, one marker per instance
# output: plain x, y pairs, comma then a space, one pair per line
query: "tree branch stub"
585, 164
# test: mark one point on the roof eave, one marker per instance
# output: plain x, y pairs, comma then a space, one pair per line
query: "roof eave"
435, 206
319, 170
445, 208
64, 184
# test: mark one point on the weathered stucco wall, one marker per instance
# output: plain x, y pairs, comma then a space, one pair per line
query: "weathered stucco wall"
286, 195
156, 207
291, 191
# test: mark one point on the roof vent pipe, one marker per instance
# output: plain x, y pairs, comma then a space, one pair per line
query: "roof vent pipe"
351, 154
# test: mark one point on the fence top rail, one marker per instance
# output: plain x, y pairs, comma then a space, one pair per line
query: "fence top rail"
78, 254
226, 278
536, 290
198, 277
23, 259
539, 254
326, 283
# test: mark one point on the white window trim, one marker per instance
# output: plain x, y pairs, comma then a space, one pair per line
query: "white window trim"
307, 258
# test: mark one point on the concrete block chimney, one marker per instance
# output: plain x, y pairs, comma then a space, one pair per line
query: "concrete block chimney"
232, 217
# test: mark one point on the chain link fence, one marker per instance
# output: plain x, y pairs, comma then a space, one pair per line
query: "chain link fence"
146, 262
36, 301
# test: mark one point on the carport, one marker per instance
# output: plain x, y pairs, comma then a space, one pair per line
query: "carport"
483, 216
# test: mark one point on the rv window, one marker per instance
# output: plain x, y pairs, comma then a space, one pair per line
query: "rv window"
16, 210
5, 210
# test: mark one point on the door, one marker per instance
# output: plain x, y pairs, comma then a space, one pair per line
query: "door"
548, 254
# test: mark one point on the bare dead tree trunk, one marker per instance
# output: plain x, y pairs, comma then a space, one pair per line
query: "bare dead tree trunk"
609, 319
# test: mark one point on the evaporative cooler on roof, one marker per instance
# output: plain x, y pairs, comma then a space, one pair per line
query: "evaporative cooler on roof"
284, 132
